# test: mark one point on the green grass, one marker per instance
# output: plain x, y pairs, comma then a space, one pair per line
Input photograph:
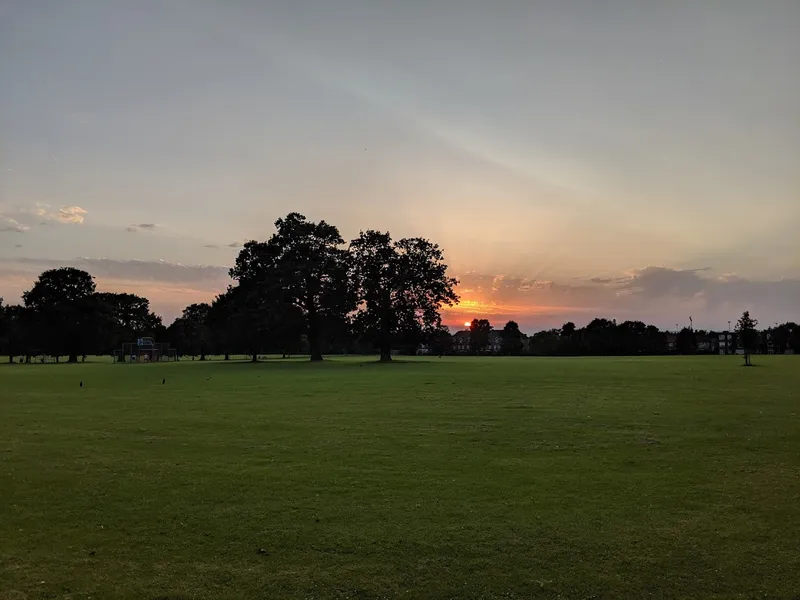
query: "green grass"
469, 478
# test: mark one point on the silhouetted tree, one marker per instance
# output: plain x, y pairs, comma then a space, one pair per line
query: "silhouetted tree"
600, 337
440, 341
305, 261
656, 340
479, 331
220, 325
240, 320
3, 326
511, 339
631, 337
8, 323
545, 343
64, 309
685, 341
784, 337
748, 336
128, 318
569, 339
400, 286
190, 331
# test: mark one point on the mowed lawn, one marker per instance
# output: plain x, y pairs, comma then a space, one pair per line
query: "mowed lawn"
608, 478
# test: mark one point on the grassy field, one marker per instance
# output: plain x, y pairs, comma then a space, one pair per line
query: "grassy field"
464, 478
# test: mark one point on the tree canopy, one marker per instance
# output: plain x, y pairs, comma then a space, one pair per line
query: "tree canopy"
63, 310
512, 339
400, 287
303, 291
479, 331
305, 265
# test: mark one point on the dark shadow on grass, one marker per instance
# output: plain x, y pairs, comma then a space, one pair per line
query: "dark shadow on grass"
376, 362
328, 362
269, 362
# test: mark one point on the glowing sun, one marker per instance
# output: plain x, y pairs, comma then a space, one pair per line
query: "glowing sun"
467, 324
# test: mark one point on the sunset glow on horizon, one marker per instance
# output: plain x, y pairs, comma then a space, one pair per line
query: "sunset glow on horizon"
572, 161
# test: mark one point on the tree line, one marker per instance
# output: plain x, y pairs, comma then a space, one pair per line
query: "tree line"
301, 291
607, 337
304, 291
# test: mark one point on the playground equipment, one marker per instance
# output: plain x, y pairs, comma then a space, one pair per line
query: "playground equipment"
145, 350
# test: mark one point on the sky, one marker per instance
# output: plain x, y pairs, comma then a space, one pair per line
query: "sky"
576, 159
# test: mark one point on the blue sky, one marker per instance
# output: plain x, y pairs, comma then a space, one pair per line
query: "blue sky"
623, 159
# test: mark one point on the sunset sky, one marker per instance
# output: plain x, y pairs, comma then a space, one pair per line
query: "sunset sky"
625, 159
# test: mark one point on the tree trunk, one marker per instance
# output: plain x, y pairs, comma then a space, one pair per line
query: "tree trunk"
10, 358
316, 351
227, 356
255, 357
73, 357
313, 337
386, 344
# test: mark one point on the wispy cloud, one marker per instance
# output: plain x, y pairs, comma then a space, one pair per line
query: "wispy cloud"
9, 225
231, 245
70, 214
138, 270
73, 215
137, 227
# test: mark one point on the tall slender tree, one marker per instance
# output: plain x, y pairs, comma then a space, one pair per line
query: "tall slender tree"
748, 336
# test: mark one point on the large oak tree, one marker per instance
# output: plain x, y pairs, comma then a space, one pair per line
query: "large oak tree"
63, 305
401, 286
304, 266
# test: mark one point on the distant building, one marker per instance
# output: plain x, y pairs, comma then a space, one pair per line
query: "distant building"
672, 341
726, 343
766, 344
461, 342
495, 345
706, 343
